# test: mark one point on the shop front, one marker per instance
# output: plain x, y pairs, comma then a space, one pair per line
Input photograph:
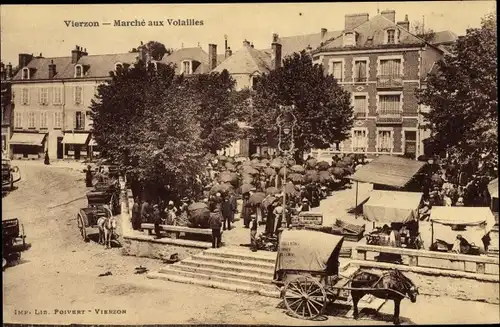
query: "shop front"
75, 145
27, 145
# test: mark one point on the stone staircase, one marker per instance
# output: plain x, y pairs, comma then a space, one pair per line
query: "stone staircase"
230, 268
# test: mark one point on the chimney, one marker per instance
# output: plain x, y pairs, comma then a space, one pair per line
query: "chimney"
276, 52
85, 53
225, 42
405, 24
389, 14
251, 45
229, 52
212, 56
323, 33
40, 56
246, 43
76, 54
354, 20
24, 59
52, 69
8, 71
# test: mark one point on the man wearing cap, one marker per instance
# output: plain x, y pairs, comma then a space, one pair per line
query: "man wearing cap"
215, 225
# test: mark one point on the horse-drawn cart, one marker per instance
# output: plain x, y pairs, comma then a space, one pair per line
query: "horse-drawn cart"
12, 233
88, 218
105, 193
10, 174
307, 269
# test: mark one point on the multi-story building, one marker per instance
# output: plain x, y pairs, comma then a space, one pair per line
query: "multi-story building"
6, 73
382, 64
52, 98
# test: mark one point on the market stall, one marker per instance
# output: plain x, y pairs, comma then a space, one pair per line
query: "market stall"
471, 223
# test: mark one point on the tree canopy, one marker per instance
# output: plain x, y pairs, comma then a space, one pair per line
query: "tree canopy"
322, 107
462, 95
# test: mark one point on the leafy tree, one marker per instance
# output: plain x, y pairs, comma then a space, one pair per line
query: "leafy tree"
322, 108
419, 30
217, 112
157, 50
462, 96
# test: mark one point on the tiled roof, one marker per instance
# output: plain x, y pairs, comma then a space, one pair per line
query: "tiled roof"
247, 60
95, 66
372, 34
444, 37
196, 54
297, 43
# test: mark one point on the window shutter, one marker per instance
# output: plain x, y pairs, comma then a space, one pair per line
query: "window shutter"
73, 117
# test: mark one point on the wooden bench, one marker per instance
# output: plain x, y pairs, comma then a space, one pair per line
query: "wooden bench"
175, 231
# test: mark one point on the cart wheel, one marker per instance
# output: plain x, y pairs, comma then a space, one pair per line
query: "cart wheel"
83, 231
23, 237
304, 298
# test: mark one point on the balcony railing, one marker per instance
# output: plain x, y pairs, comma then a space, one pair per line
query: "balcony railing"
360, 79
359, 114
389, 116
389, 81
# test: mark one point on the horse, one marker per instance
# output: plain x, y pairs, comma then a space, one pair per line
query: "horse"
107, 227
392, 285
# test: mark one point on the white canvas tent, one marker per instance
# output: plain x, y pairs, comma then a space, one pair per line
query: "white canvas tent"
478, 221
392, 206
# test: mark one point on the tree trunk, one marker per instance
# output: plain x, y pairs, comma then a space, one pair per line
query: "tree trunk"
298, 156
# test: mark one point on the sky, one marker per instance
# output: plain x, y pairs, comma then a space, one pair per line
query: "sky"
42, 29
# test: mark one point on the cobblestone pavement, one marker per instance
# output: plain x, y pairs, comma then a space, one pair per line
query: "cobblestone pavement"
60, 272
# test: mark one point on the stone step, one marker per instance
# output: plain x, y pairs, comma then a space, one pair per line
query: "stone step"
220, 272
268, 257
222, 279
213, 284
246, 263
228, 267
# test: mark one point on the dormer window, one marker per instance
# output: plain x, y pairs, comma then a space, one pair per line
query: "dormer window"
254, 82
118, 66
187, 67
26, 73
391, 36
349, 39
78, 71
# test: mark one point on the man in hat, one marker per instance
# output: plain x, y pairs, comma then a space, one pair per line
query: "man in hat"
157, 220
305, 205
246, 210
88, 176
146, 213
215, 225
136, 214
227, 212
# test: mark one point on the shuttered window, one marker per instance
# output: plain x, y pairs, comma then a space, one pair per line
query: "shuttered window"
57, 119
360, 71
359, 140
43, 120
18, 120
360, 104
384, 141
31, 120
389, 105
336, 70
44, 95
390, 67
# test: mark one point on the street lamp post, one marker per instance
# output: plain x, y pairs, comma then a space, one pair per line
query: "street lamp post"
286, 122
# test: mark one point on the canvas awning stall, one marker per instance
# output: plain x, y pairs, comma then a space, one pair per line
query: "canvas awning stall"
476, 220
33, 139
493, 188
303, 250
75, 138
388, 170
392, 206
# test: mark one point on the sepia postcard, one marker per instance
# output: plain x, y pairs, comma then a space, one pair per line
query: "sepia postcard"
250, 164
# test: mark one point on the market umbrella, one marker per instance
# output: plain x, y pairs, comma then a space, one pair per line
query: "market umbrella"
298, 169
312, 162
322, 165
324, 176
250, 170
311, 176
269, 171
222, 158
272, 190
296, 178
347, 160
349, 170
265, 161
259, 165
333, 164
245, 188
276, 163
196, 206
220, 188
228, 177
255, 161
330, 170
255, 156
269, 200
290, 189
230, 159
247, 163
341, 164
338, 172
199, 217
240, 159
291, 162
257, 198
229, 165
246, 179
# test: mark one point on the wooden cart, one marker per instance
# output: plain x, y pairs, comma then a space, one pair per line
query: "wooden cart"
88, 217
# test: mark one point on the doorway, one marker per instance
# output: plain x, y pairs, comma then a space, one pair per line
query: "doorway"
410, 144
60, 153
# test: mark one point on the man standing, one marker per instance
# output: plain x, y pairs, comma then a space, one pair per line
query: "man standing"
246, 210
227, 212
136, 214
171, 213
215, 225
88, 176
253, 235
157, 220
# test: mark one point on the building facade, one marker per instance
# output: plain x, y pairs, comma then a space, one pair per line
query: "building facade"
383, 65
6, 74
51, 99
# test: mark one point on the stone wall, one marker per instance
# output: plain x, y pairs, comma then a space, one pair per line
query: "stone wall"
156, 250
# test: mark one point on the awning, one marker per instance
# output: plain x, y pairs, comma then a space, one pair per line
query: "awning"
392, 206
388, 170
75, 138
469, 216
92, 142
493, 188
34, 139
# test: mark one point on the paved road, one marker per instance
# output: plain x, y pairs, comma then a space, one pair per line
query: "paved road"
60, 273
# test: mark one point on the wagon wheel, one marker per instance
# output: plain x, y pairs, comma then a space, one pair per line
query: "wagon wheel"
81, 226
305, 298
23, 237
